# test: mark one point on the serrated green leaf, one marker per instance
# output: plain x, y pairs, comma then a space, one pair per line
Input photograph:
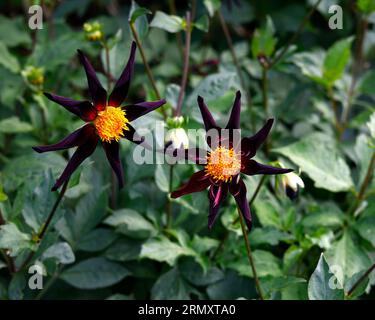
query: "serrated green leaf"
336, 59
328, 170
94, 273
323, 283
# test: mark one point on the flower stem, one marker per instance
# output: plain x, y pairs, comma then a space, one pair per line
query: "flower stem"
147, 67
226, 235
356, 69
250, 256
334, 110
295, 35
186, 65
360, 280
169, 203
366, 181
237, 65
45, 226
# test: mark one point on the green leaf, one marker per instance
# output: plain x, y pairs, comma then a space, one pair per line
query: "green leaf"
267, 214
124, 250
366, 85
212, 6
170, 285
328, 170
268, 235
94, 273
162, 177
323, 283
366, 228
263, 42
273, 284
90, 211
347, 257
13, 239
61, 251
137, 16
291, 256
231, 287
97, 240
203, 23
7, 60
170, 23
13, 31
359, 290
265, 262
29, 167
164, 250
336, 59
38, 198
14, 125
131, 223
136, 12
366, 6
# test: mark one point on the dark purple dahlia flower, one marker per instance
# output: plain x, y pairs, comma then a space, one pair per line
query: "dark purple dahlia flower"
105, 118
224, 163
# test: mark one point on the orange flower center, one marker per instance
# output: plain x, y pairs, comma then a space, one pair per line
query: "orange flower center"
111, 123
223, 164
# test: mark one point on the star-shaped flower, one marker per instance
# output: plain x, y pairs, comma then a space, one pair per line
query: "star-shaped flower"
105, 118
225, 162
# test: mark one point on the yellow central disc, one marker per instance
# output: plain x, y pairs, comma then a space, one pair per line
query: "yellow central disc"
110, 124
223, 164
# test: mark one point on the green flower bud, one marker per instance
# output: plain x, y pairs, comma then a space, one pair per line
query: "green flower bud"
93, 31
178, 138
33, 75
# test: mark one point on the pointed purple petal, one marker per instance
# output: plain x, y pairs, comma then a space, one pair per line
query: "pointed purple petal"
83, 151
112, 151
216, 196
75, 139
137, 110
208, 120
197, 182
250, 145
121, 88
234, 119
238, 190
83, 109
98, 93
252, 167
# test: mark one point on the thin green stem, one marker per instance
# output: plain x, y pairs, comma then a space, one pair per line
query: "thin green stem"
147, 66
169, 204
295, 35
173, 11
237, 65
45, 226
334, 111
360, 280
356, 69
362, 191
226, 235
250, 255
185, 72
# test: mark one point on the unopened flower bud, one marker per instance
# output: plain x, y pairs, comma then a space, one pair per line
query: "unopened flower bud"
93, 31
34, 75
177, 138
292, 183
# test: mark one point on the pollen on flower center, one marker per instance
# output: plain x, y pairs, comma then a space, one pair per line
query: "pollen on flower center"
110, 124
223, 164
